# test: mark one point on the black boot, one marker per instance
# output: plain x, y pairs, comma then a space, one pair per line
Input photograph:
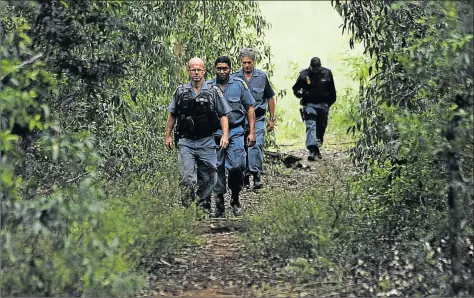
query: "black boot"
318, 153
220, 206
235, 203
247, 181
257, 183
314, 153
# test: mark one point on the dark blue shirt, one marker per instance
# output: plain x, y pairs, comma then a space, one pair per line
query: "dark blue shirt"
238, 97
259, 86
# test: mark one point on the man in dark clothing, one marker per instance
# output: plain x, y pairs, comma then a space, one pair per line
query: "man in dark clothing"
315, 87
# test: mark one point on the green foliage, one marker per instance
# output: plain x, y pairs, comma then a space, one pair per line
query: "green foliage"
405, 225
291, 228
345, 112
87, 188
416, 139
306, 230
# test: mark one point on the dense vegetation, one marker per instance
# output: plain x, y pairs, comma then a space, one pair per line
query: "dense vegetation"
87, 188
88, 191
404, 224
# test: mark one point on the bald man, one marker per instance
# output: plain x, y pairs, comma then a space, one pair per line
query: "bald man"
198, 110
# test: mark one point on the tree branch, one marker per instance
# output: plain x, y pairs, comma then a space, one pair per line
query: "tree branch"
24, 63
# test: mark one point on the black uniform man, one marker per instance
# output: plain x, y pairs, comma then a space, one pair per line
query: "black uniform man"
315, 87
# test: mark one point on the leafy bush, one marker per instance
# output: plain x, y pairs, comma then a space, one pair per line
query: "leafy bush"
305, 230
87, 188
416, 140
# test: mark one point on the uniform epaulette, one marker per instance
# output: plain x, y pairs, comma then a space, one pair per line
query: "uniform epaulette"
180, 87
241, 81
238, 79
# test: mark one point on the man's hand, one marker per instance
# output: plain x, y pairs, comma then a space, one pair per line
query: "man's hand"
169, 143
168, 130
270, 125
224, 141
299, 93
251, 139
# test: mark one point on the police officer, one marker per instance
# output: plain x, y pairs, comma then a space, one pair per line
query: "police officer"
197, 109
263, 94
315, 87
233, 158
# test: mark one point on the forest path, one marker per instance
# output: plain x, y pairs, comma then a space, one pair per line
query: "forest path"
219, 266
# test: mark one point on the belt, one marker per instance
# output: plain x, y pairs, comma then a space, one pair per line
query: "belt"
241, 123
195, 137
260, 112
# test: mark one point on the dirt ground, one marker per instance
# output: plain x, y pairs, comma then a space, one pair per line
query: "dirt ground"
220, 266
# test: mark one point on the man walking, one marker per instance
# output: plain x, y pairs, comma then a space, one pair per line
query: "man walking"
232, 158
263, 94
197, 109
315, 86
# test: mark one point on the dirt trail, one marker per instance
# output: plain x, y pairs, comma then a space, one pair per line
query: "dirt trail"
220, 266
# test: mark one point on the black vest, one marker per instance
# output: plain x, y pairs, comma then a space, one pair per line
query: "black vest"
196, 118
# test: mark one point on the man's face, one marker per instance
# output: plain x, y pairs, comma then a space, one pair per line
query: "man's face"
222, 71
196, 71
315, 69
247, 64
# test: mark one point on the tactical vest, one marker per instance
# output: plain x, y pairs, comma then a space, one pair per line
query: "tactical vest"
195, 117
317, 87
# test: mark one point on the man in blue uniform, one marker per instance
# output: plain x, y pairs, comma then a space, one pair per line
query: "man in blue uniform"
315, 86
197, 108
233, 157
263, 94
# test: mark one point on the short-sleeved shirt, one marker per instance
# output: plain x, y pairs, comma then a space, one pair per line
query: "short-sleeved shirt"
220, 105
239, 98
259, 86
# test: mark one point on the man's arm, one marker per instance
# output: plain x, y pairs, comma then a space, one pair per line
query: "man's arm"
248, 102
222, 108
298, 86
225, 131
171, 120
251, 119
271, 109
169, 128
270, 95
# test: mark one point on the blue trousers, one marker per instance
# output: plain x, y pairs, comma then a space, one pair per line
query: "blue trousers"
197, 161
255, 153
233, 158
316, 123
